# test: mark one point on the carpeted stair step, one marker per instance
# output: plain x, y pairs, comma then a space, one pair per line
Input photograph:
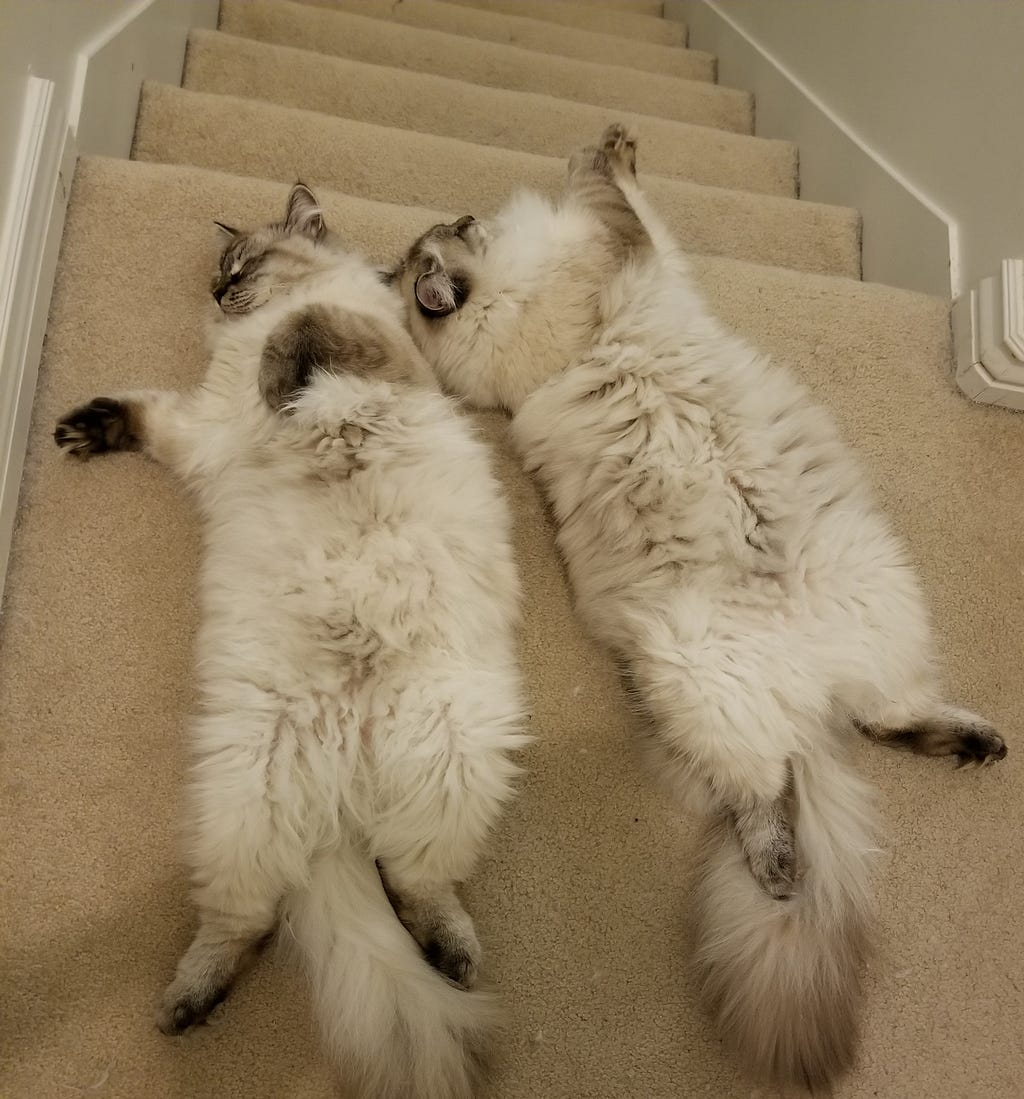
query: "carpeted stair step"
539, 35
251, 137
593, 17
228, 65
377, 42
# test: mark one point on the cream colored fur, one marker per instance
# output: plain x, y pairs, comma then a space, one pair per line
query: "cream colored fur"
358, 683
721, 541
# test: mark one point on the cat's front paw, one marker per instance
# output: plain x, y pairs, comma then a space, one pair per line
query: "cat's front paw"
101, 425
618, 143
614, 155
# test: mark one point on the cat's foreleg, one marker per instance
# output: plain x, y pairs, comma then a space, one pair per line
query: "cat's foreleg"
602, 178
155, 421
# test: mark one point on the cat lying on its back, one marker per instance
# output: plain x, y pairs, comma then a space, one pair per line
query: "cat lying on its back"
358, 680
721, 540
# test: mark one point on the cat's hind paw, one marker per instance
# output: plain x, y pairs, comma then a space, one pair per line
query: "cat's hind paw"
183, 1008
101, 425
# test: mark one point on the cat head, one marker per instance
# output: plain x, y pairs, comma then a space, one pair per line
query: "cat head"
437, 276
255, 266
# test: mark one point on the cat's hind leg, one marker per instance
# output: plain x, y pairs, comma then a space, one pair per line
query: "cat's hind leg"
433, 914
936, 730
896, 698
443, 776
246, 850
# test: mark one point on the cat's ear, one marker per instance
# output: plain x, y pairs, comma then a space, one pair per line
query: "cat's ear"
304, 214
226, 231
435, 292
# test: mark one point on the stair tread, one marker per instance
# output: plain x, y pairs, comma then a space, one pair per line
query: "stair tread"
231, 65
512, 28
364, 39
628, 24
256, 138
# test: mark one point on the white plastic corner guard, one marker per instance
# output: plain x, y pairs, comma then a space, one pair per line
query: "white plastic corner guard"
988, 326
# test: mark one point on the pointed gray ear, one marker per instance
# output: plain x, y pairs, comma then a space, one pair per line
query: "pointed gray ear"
436, 293
227, 230
304, 214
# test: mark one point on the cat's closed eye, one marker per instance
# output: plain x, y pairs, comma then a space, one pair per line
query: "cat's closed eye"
235, 272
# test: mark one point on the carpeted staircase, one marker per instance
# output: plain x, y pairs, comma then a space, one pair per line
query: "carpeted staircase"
394, 112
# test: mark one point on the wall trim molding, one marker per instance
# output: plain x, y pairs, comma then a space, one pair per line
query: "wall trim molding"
29, 245
988, 329
909, 240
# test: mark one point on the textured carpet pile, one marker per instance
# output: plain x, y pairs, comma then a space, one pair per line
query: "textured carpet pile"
397, 112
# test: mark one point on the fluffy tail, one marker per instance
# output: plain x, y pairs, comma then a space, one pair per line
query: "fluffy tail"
394, 1027
783, 978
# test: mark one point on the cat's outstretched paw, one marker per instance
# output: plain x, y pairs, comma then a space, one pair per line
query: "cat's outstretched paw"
101, 425
614, 155
618, 143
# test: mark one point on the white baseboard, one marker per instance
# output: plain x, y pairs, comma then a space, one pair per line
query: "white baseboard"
908, 240
29, 244
988, 328
95, 115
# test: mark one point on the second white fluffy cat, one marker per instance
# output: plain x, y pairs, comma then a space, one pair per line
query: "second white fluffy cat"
721, 540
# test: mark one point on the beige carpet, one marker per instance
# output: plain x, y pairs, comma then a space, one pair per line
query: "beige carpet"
584, 903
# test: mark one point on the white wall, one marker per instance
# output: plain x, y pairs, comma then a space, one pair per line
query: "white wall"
48, 38
935, 87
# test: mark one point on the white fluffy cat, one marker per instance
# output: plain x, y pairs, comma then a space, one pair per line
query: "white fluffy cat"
356, 659
721, 540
